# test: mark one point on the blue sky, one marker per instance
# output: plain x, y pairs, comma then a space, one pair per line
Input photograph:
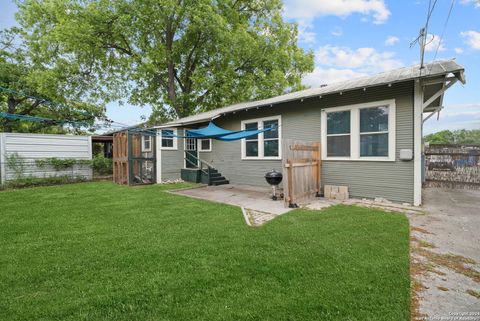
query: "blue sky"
361, 37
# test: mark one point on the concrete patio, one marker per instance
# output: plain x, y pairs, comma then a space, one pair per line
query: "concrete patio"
249, 197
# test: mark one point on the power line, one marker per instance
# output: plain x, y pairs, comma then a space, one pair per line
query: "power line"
422, 38
430, 11
444, 28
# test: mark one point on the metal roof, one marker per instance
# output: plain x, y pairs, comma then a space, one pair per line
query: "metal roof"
431, 70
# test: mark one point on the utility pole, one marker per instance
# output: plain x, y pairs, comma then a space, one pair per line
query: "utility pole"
422, 39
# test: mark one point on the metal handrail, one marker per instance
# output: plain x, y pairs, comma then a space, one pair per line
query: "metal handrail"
202, 162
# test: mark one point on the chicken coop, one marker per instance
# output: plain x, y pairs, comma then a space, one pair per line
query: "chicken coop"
134, 157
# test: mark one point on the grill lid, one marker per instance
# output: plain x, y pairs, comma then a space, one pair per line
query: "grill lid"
273, 177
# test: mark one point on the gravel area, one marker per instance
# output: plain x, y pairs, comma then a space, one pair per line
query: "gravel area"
446, 255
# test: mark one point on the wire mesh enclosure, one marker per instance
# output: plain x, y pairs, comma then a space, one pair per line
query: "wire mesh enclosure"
134, 158
454, 166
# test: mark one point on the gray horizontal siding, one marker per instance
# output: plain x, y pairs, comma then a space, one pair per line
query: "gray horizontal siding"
172, 160
33, 147
301, 121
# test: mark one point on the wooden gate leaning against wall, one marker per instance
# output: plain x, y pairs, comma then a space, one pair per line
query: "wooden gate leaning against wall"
302, 168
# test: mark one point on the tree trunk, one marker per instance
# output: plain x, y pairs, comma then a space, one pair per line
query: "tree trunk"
172, 96
12, 105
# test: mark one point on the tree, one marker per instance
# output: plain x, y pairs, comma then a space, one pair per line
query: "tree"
34, 89
180, 56
461, 136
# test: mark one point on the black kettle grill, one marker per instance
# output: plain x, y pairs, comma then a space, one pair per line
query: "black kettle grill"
274, 178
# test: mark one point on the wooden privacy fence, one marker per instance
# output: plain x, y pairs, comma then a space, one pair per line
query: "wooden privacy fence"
301, 163
453, 166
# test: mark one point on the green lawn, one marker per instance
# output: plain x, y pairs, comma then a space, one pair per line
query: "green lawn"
98, 251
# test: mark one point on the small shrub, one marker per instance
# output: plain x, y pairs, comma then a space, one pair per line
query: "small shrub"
57, 163
102, 165
16, 163
41, 181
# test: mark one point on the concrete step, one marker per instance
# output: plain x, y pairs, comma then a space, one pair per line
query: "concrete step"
218, 178
215, 174
222, 182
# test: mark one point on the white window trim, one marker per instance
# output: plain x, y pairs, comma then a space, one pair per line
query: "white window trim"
185, 150
261, 139
175, 139
199, 145
355, 131
143, 143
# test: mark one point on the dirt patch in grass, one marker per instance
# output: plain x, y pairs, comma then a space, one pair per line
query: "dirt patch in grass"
451, 261
474, 293
417, 268
422, 243
421, 230
417, 287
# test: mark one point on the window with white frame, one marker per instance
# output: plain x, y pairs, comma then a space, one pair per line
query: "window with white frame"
169, 141
338, 133
147, 143
359, 132
374, 131
265, 145
205, 145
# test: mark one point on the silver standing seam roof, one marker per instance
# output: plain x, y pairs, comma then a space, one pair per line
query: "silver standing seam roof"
431, 70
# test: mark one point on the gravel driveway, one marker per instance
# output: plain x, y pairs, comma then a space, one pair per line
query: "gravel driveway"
446, 255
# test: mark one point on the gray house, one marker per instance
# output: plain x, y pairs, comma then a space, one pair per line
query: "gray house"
370, 131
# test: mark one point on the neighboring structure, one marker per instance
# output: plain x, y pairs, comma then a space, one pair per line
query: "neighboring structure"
370, 131
32, 148
106, 143
454, 166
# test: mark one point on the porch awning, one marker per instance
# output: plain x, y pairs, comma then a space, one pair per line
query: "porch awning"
215, 132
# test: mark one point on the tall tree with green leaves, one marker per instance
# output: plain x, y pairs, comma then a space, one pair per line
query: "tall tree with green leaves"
55, 90
179, 56
460, 136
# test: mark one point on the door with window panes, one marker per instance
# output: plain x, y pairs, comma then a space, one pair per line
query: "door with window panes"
191, 153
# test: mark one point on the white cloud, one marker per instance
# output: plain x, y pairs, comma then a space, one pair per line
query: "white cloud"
391, 40
321, 76
458, 50
337, 32
433, 42
467, 2
366, 60
472, 38
304, 34
341, 63
455, 117
308, 9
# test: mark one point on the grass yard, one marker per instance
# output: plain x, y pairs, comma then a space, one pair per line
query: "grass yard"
98, 251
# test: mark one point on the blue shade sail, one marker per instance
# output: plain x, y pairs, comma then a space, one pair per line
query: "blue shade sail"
242, 134
211, 131
215, 132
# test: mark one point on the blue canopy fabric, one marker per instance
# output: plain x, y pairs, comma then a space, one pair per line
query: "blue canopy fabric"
243, 134
211, 131
215, 132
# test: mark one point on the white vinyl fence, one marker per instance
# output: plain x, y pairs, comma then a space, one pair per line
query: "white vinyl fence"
33, 149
